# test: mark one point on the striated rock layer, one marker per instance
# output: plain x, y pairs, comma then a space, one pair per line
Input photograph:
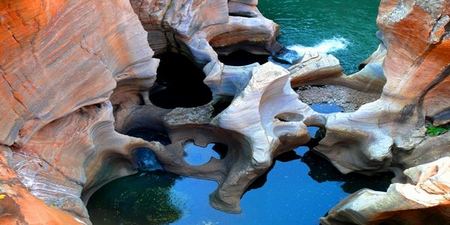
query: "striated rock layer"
60, 61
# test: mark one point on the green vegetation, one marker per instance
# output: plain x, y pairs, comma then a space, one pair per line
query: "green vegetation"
434, 131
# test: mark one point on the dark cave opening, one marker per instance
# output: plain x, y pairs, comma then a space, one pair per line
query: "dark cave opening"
242, 58
149, 134
179, 83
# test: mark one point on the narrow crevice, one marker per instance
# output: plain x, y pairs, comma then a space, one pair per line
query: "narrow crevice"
220, 106
242, 14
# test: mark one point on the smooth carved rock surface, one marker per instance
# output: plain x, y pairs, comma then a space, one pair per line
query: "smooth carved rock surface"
58, 59
62, 61
390, 131
62, 57
264, 120
428, 186
415, 67
318, 69
60, 170
272, 120
198, 27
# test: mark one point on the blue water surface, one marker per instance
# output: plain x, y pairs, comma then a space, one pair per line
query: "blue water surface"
299, 189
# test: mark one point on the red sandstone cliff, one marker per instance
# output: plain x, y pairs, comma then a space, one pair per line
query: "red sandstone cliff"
59, 63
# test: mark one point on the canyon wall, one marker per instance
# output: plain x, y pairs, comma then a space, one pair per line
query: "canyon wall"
60, 61
390, 133
69, 67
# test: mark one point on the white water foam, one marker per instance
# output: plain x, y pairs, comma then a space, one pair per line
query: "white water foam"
326, 46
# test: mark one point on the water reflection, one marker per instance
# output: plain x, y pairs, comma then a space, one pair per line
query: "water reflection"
197, 155
145, 198
299, 189
321, 170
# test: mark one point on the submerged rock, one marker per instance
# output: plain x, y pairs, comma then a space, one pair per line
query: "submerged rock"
146, 160
287, 56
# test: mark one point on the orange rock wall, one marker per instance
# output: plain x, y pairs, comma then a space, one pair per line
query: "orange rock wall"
60, 61
57, 56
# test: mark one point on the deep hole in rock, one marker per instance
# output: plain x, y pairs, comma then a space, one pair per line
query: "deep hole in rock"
179, 83
149, 134
242, 14
144, 158
317, 134
196, 155
361, 66
242, 58
141, 100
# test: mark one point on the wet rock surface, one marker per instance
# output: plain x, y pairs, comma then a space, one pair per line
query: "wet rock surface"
287, 56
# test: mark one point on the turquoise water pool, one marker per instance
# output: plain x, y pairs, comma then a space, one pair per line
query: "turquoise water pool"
345, 28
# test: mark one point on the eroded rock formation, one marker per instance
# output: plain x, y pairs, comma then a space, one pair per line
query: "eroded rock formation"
76, 73
59, 63
391, 131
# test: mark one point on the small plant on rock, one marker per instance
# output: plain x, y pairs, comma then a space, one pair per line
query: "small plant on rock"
434, 131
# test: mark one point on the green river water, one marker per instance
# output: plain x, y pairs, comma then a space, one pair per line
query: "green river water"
345, 28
